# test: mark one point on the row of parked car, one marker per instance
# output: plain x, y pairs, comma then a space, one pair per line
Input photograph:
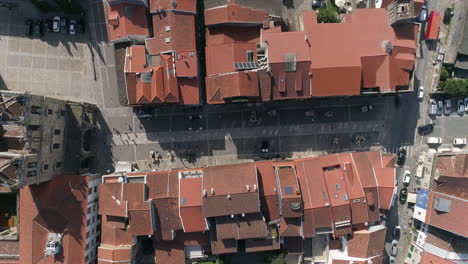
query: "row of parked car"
38, 27
445, 107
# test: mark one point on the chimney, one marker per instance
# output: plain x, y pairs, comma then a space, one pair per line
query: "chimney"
204, 193
229, 197
247, 187
255, 187
212, 191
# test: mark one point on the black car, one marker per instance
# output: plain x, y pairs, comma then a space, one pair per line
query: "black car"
401, 157
38, 28
403, 195
426, 129
28, 27
48, 25
64, 25
319, 4
265, 146
80, 26
447, 15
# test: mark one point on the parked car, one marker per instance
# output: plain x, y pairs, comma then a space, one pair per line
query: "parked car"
72, 28
420, 92
403, 196
461, 107
401, 156
406, 177
423, 14
38, 29
394, 250
56, 24
383, 219
28, 27
80, 26
396, 232
426, 129
447, 15
434, 140
48, 25
466, 104
448, 106
459, 141
432, 107
440, 108
265, 146
366, 108
318, 4
64, 25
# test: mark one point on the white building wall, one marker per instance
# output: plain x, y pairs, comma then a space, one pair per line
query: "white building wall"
93, 223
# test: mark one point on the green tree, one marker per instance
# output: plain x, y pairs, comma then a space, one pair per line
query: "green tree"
327, 15
455, 87
444, 74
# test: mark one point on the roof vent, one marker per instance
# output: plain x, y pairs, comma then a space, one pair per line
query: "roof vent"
120, 179
53, 244
212, 191
247, 187
274, 189
232, 216
229, 197
442, 205
295, 206
173, 4
243, 215
204, 192
255, 187
388, 46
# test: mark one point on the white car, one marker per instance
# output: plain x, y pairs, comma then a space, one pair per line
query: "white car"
461, 107
420, 92
394, 250
56, 24
406, 177
434, 140
432, 107
466, 104
459, 141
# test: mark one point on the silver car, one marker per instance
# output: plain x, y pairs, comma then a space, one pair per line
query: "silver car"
461, 107
432, 107
440, 108
448, 107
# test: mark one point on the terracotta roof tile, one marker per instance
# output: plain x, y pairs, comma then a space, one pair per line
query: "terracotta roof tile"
167, 217
141, 220
367, 243
256, 245
453, 220
115, 254
290, 227
232, 13
125, 20
181, 5
190, 203
240, 227
111, 201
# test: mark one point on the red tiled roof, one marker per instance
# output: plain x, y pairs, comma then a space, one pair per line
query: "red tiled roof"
290, 227
141, 222
172, 31
190, 205
256, 245
453, 165
125, 20
219, 246
428, 258
220, 58
111, 201
290, 191
367, 243
180, 5
113, 232
167, 217
114, 254
453, 220
56, 206
186, 64
221, 88
233, 13
239, 181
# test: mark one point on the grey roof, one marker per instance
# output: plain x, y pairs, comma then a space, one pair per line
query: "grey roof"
462, 62
464, 45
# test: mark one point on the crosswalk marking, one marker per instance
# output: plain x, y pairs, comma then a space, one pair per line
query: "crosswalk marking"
409, 150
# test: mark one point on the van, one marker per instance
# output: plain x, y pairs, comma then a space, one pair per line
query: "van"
434, 140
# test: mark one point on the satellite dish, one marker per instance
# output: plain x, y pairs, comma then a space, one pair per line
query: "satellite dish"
173, 4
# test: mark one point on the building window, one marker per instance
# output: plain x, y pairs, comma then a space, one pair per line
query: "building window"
88, 222
62, 113
411, 248
87, 246
58, 164
87, 234
31, 173
89, 210
46, 166
87, 257
250, 56
95, 188
290, 62
337, 186
34, 127
90, 191
36, 110
57, 131
49, 111
32, 164
56, 146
